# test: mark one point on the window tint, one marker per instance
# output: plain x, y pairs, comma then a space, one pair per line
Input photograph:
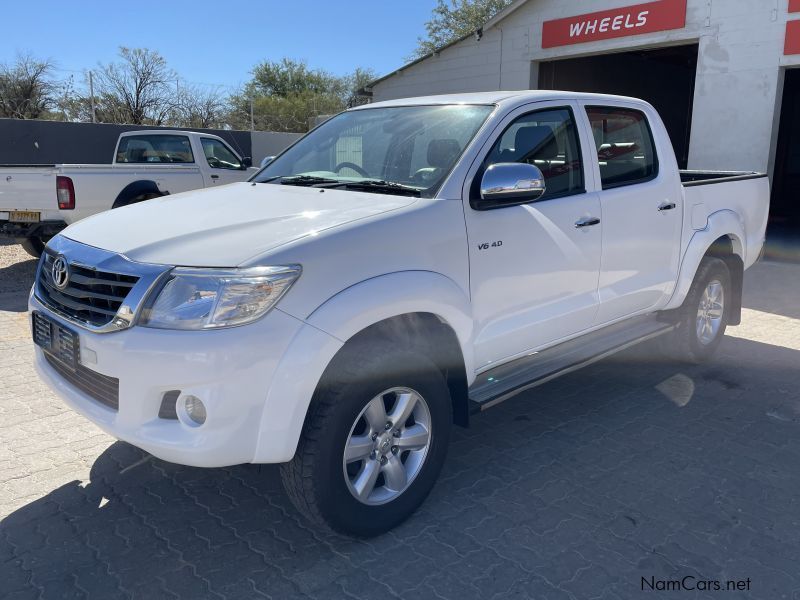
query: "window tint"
218, 155
155, 149
549, 140
624, 144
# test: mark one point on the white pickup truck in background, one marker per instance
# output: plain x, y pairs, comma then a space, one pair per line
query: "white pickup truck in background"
38, 201
404, 265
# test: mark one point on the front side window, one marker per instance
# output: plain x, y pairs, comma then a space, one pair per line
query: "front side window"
155, 149
625, 149
218, 155
400, 149
547, 139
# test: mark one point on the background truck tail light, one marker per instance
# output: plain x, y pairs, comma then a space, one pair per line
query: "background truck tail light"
65, 190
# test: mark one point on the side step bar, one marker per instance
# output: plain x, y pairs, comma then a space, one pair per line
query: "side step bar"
509, 379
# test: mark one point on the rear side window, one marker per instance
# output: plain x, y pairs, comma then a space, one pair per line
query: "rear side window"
548, 139
155, 149
625, 148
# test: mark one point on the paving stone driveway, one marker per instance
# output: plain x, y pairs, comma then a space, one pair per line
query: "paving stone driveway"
630, 469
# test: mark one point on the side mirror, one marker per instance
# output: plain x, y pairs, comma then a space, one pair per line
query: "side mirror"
247, 162
510, 184
266, 160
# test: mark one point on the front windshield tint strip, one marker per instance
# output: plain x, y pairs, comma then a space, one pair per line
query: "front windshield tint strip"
399, 149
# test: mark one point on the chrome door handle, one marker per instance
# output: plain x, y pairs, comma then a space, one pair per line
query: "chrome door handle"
666, 206
215, 177
587, 222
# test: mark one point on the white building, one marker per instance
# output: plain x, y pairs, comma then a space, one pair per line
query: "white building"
719, 71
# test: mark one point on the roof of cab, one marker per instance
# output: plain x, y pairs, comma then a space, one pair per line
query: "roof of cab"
498, 97
164, 132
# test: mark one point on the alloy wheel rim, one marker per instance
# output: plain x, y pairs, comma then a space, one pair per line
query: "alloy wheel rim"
387, 446
710, 312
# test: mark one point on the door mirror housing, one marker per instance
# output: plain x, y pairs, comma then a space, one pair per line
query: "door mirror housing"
247, 162
510, 184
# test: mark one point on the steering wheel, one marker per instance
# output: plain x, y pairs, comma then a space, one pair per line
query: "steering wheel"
349, 165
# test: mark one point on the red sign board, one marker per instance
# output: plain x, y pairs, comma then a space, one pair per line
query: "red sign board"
794, 6
792, 44
620, 22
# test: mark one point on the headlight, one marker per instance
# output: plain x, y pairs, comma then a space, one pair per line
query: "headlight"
214, 298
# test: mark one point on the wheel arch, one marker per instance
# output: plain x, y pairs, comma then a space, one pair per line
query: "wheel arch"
723, 238
135, 189
424, 333
422, 309
408, 305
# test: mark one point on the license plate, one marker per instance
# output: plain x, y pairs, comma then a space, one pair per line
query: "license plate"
58, 341
23, 216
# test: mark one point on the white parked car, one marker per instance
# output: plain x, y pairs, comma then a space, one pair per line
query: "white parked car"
404, 265
38, 201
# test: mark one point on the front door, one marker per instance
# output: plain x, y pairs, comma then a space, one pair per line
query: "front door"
534, 268
223, 164
642, 208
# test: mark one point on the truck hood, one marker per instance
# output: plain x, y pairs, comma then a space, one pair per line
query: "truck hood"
225, 226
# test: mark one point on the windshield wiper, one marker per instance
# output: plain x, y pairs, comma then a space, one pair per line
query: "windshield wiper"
299, 180
379, 185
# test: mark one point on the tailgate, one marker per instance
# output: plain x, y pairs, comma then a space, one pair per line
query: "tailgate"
26, 189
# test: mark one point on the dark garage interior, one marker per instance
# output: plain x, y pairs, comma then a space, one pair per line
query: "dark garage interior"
784, 223
664, 77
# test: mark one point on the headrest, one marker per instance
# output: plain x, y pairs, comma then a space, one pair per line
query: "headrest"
536, 142
443, 153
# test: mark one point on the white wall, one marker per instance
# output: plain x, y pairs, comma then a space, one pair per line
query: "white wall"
738, 71
270, 143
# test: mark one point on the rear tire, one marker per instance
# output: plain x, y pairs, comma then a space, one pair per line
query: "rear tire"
703, 317
355, 470
33, 246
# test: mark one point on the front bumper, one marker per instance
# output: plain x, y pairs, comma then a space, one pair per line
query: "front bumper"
230, 370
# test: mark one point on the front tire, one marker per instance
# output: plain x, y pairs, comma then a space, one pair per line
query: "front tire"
373, 444
703, 318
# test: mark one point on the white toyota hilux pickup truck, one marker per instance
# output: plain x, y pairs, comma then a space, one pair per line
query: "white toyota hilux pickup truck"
404, 265
38, 201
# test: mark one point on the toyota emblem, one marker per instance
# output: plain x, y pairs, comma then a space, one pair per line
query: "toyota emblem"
60, 272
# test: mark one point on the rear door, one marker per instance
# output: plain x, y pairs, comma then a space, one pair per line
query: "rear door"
533, 270
642, 209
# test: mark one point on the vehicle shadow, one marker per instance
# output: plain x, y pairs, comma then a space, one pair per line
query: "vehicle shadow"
631, 468
16, 280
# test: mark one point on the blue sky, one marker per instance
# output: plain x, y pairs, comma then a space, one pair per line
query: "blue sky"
205, 43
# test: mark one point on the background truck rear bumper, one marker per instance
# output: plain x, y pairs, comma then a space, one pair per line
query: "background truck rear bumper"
42, 229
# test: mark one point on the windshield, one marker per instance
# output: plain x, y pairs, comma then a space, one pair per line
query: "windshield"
403, 149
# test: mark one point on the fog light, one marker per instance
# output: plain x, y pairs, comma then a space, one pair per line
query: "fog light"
195, 409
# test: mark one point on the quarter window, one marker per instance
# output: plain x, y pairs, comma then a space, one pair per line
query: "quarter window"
218, 155
625, 149
547, 139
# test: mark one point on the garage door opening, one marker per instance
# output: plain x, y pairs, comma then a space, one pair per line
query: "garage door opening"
664, 77
784, 211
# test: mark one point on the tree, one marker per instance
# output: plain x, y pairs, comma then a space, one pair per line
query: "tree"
287, 95
453, 19
26, 88
200, 108
140, 89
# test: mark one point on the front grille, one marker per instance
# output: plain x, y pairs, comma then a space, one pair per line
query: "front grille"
102, 388
90, 296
